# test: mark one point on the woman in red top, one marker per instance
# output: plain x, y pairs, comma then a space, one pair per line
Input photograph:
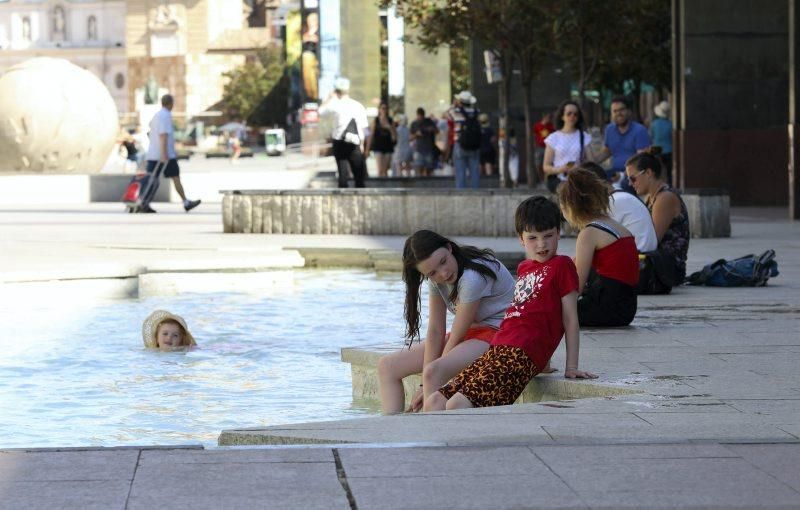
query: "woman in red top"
606, 256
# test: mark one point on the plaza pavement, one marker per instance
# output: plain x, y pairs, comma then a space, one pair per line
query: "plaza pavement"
716, 423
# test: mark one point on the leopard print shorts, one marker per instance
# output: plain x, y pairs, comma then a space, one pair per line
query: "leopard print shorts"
497, 378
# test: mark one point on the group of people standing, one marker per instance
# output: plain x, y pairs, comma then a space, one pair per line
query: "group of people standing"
458, 138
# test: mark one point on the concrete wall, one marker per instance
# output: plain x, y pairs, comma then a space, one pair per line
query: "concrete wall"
401, 212
736, 98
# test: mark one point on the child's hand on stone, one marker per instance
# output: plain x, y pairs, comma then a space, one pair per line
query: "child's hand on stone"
574, 373
416, 402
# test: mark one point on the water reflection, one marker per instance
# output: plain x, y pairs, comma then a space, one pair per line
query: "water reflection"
76, 374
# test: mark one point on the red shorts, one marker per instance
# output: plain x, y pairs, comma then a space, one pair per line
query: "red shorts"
484, 333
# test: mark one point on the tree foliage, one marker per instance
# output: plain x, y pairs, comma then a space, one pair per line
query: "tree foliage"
251, 84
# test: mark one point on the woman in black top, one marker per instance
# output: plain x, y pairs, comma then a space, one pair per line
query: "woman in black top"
382, 139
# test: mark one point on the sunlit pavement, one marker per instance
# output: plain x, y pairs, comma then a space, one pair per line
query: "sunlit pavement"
717, 423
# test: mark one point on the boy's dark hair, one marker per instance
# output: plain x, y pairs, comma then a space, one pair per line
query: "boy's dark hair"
421, 111
536, 213
621, 99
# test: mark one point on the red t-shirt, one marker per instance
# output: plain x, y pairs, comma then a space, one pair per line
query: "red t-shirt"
618, 261
534, 322
540, 132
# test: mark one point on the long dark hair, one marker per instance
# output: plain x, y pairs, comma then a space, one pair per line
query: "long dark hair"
560, 114
419, 246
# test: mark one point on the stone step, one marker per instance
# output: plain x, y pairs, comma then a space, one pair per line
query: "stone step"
364, 373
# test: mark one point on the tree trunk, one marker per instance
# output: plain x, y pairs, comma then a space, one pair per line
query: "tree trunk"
531, 170
503, 125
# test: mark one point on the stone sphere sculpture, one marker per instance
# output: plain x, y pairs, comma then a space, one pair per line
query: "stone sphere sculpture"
54, 118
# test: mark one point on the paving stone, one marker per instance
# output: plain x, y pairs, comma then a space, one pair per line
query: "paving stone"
248, 485
606, 454
435, 462
66, 494
743, 497
462, 492
700, 475
781, 461
152, 458
80, 465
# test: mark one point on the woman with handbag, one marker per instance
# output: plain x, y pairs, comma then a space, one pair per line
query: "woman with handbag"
666, 266
568, 146
382, 139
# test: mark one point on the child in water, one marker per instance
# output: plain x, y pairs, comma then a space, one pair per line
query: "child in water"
166, 331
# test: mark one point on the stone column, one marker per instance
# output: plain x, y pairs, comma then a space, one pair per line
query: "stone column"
360, 50
427, 82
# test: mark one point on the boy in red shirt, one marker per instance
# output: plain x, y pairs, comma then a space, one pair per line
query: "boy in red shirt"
544, 309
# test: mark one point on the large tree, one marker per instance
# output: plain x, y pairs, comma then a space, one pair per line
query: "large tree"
509, 28
251, 85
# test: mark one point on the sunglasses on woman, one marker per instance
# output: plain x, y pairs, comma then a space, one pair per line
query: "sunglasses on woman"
632, 178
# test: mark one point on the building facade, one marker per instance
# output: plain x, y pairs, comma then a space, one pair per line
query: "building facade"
88, 33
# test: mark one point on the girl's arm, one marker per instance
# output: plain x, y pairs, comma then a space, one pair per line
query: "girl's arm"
465, 317
569, 314
584, 253
547, 165
437, 322
665, 208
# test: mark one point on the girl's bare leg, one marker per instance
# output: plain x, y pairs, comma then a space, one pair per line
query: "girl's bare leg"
392, 368
439, 371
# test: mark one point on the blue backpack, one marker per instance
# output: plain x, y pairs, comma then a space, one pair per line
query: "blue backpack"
747, 271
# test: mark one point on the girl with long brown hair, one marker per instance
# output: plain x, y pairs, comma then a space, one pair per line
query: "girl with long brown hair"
466, 281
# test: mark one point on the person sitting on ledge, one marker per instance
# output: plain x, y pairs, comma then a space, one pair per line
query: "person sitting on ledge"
666, 266
469, 282
605, 252
166, 331
544, 309
628, 210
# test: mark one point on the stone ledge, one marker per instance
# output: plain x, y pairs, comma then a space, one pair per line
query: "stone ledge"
454, 212
364, 373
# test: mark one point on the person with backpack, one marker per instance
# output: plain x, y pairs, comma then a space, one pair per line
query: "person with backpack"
465, 139
348, 134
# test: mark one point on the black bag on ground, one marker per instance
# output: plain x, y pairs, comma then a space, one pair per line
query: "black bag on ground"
469, 137
656, 273
747, 271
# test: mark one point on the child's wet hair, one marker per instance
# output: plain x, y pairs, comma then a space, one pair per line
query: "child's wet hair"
537, 214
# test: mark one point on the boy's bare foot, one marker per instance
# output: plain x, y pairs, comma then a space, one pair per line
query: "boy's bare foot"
548, 369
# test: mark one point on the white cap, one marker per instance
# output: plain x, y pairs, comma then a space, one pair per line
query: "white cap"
466, 97
342, 84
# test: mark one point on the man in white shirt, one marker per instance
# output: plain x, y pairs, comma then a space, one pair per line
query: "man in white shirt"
161, 151
348, 134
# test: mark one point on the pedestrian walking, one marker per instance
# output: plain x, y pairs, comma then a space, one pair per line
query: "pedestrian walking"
488, 154
348, 135
403, 155
465, 139
423, 133
382, 139
161, 150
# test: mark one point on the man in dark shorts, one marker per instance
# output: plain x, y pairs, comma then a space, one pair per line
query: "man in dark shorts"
162, 151
423, 134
